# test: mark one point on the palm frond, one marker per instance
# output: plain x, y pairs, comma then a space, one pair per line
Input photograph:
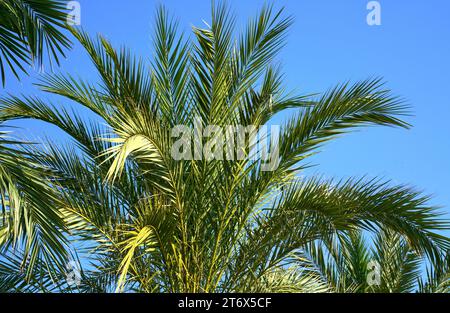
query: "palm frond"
29, 30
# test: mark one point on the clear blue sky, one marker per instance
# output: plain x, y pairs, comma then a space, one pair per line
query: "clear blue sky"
330, 42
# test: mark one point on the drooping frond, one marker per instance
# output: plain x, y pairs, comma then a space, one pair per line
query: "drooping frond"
30, 30
30, 217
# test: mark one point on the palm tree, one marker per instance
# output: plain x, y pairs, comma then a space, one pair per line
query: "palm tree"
136, 219
29, 30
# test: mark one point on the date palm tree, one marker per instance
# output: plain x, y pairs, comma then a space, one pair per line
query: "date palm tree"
30, 30
135, 219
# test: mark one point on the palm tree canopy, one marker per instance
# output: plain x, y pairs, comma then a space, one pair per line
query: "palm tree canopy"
142, 221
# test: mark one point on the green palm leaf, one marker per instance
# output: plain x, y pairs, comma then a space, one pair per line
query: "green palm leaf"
30, 30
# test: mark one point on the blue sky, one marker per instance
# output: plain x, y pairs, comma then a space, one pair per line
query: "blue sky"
329, 43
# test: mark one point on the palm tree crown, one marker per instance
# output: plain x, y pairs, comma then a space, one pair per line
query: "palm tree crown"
139, 220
